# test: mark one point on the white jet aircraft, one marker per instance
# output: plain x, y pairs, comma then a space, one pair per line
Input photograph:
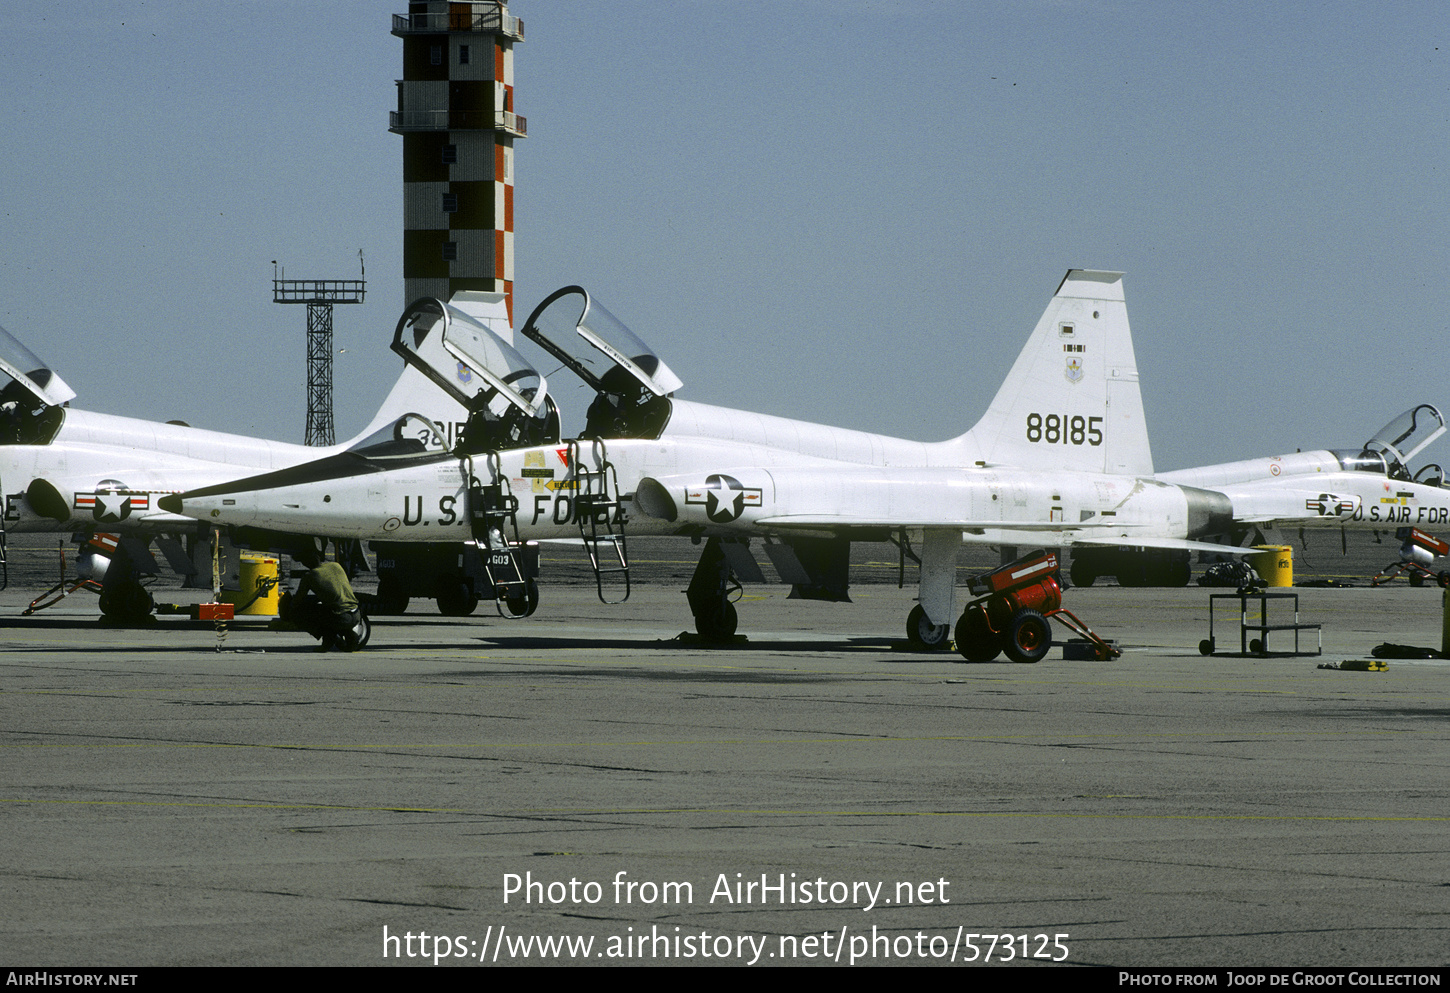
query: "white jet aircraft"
1061, 458
1368, 488
76, 471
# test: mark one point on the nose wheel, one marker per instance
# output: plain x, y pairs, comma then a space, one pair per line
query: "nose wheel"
921, 631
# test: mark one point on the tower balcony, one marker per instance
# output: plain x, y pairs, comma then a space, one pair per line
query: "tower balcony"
491, 22
402, 122
315, 291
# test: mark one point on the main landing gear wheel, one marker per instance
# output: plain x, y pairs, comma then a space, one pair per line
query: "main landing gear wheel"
126, 603
921, 631
976, 641
1029, 636
717, 623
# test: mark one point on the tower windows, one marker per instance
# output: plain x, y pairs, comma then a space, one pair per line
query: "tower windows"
450, 203
450, 251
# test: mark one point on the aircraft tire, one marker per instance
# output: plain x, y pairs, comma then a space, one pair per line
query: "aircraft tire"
976, 641
1029, 636
127, 603
921, 631
718, 622
457, 601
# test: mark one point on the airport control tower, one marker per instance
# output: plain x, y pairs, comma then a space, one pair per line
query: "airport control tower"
456, 115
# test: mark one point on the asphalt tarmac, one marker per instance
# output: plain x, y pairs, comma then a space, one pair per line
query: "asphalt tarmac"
173, 796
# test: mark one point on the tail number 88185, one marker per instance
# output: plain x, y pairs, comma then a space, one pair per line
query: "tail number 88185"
1060, 429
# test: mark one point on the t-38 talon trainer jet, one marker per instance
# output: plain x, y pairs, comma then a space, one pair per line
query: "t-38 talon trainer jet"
1061, 458
1371, 487
76, 471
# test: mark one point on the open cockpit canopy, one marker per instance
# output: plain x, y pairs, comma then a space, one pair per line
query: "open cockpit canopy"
31, 399
1405, 437
596, 346
469, 360
30, 375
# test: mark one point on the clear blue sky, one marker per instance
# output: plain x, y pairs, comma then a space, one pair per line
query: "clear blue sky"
848, 211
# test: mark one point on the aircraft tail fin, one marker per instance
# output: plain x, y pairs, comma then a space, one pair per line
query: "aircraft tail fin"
415, 393
1072, 400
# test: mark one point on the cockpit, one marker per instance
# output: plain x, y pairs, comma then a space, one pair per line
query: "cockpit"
31, 402
632, 385
1390, 449
410, 435
507, 399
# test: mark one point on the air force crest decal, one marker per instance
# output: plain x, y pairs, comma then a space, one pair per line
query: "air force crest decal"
1074, 370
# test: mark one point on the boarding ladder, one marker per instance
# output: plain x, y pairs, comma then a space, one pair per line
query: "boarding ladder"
600, 515
493, 517
4, 558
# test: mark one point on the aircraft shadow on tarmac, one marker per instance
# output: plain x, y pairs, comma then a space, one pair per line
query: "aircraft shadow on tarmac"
687, 642
292, 643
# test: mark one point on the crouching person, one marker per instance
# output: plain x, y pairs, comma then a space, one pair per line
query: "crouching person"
325, 606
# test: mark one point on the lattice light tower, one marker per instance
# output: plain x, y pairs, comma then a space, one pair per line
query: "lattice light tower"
319, 295
456, 115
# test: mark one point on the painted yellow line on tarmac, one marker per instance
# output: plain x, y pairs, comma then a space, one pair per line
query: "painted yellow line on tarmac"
1231, 736
235, 804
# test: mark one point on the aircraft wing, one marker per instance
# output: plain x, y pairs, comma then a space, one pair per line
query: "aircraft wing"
991, 507
999, 532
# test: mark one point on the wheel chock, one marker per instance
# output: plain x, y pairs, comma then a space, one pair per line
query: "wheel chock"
1082, 650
